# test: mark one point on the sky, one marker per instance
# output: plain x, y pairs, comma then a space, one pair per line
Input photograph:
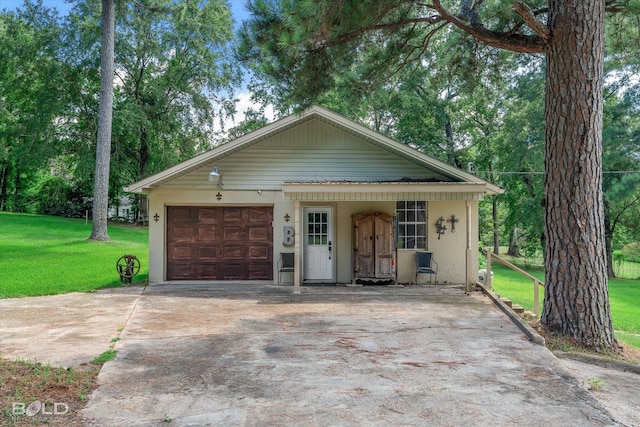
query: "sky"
237, 7
238, 10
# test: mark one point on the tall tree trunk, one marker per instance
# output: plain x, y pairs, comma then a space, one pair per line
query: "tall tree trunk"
142, 170
105, 114
576, 299
496, 235
4, 178
513, 243
17, 195
448, 131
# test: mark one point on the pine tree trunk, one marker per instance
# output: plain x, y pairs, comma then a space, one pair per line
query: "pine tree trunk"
576, 298
496, 235
105, 114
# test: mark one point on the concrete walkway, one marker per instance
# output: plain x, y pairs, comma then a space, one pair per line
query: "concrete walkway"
256, 355
64, 330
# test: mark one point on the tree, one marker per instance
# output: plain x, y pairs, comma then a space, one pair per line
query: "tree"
30, 78
304, 45
173, 74
105, 116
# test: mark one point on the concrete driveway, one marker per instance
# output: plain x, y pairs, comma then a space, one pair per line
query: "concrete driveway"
232, 354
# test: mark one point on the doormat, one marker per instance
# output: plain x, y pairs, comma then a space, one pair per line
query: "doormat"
374, 282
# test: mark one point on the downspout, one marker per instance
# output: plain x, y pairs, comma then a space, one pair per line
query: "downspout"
297, 271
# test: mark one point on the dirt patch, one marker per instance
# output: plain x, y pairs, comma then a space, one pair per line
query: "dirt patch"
36, 394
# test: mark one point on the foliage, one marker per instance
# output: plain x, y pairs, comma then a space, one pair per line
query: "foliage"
30, 77
45, 255
174, 77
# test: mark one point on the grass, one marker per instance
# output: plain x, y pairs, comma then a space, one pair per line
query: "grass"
624, 295
45, 255
104, 357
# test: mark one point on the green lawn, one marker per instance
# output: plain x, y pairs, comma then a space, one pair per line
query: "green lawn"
624, 295
44, 255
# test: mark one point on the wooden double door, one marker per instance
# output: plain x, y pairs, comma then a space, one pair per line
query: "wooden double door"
374, 251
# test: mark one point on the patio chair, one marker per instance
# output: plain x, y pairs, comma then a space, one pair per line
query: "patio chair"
285, 264
425, 264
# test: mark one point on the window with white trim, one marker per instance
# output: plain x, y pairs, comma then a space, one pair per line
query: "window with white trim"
412, 224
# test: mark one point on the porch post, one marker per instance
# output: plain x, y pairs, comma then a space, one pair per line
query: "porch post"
468, 251
297, 270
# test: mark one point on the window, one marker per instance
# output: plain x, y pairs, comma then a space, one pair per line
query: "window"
317, 231
412, 224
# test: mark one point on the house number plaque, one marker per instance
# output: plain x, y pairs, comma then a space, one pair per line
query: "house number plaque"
289, 236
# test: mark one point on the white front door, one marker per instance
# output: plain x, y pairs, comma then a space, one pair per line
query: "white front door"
318, 255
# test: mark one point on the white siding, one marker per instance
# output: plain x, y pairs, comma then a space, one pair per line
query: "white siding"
313, 151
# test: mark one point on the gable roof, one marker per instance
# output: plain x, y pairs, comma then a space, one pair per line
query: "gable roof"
313, 113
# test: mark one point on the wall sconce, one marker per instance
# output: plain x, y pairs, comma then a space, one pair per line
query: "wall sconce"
214, 176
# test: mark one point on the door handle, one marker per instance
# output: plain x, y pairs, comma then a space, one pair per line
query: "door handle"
329, 249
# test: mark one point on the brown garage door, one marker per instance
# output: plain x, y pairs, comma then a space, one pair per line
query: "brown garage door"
221, 243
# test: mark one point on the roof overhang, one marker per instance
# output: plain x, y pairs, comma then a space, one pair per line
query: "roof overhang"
384, 191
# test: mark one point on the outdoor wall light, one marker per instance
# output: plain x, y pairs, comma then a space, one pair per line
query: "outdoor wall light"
214, 176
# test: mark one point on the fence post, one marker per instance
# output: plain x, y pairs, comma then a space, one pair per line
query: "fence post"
536, 298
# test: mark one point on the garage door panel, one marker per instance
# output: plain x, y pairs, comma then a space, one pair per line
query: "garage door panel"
235, 252
180, 252
218, 243
208, 216
178, 271
259, 215
259, 233
207, 271
207, 252
233, 233
233, 271
207, 233
178, 214
181, 233
231, 215
259, 253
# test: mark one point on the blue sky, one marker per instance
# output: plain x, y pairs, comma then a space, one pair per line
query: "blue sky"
237, 6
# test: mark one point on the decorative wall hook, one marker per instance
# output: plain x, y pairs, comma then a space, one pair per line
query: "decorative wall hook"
453, 221
440, 227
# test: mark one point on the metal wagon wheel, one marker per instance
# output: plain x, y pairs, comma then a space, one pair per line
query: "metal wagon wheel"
128, 266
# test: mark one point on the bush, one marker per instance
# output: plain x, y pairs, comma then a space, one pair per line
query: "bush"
630, 252
56, 197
